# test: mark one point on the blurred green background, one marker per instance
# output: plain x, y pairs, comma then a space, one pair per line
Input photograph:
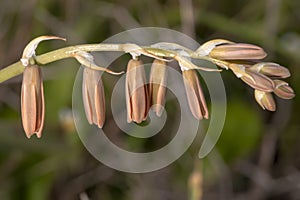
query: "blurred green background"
257, 156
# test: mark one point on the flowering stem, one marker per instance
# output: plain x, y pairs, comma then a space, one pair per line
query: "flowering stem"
69, 52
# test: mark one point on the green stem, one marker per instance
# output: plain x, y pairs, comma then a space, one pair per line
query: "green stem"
69, 52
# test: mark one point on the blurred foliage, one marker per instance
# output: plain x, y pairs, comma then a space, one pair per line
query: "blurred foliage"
256, 156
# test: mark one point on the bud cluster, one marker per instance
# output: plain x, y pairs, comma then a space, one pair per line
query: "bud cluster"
243, 60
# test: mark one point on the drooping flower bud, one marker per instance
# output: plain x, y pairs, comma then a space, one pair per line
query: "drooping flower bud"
137, 96
265, 100
283, 90
259, 81
194, 94
93, 97
255, 80
237, 51
157, 90
271, 69
32, 101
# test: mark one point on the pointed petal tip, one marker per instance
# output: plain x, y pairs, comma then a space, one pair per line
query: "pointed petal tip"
100, 126
28, 135
206, 116
38, 135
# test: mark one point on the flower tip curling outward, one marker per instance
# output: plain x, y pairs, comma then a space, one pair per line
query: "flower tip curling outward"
93, 97
32, 101
195, 95
29, 50
136, 90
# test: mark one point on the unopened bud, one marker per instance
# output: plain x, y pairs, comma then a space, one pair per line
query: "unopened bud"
259, 81
255, 80
271, 69
237, 51
283, 90
265, 100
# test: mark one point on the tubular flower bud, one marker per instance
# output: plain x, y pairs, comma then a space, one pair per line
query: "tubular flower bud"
283, 90
32, 101
195, 95
265, 100
136, 90
259, 81
157, 90
237, 51
93, 97
255, 80
271, 69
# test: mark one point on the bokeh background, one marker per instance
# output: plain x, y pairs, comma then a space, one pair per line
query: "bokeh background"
256, 158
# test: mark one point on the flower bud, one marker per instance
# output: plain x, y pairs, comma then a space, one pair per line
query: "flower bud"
265, 100
259, 81
32, 101
93, 97
271, 69
136, 90
237, 51
194, 94
283, 90
157, 90
255, 80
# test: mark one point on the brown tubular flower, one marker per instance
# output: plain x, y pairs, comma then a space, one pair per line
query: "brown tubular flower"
283, 90
32, 101
157, 90
237, 51
93, 97
136, 90
265, 100
195, 95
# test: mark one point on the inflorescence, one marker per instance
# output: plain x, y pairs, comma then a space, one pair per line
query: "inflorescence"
244, 60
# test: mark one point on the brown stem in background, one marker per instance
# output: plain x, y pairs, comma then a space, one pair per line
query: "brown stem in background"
187, 17
267, 151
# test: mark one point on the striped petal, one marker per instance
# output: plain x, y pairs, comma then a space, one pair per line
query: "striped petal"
137, 101
157, 90
195, 95
32, 101
93, 97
